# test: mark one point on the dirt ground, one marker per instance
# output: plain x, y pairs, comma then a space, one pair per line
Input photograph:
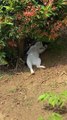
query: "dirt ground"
19, 91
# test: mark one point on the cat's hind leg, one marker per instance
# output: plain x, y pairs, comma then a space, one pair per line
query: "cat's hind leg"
30, 66
38, 64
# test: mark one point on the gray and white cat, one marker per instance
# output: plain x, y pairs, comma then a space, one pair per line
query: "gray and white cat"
33, 56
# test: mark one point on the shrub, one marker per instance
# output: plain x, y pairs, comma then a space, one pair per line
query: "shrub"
28, 18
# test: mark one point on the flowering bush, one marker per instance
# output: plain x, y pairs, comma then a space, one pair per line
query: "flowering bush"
35, 19
43, 22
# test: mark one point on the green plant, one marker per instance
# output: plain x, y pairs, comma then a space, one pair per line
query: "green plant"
8, 29
20, 19
54, 100
55, 116
2, 59
40, 118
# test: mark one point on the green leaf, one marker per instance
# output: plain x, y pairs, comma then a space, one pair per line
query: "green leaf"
40, 118
7, 23
3, 62
43, 97
64, 94
8, 8
53, 101
55, 116
38, 16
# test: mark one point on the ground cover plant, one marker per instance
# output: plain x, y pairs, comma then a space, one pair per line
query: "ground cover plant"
54, 116
56, 102
28, 19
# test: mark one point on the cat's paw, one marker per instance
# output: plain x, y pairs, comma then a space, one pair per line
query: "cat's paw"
32, 73
43, 67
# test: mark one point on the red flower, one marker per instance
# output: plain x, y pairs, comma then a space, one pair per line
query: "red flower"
29, 14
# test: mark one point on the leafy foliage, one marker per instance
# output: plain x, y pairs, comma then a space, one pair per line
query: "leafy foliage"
8, 29
40, 118
2, 57
29, 18
54, 99
55, 116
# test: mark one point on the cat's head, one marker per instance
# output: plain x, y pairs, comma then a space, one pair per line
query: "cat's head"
39, 45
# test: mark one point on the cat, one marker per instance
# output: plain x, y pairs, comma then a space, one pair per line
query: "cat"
33, 56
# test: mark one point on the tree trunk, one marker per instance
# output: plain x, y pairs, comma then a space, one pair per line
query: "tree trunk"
20, 48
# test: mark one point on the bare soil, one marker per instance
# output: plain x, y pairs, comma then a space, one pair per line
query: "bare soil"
19, 91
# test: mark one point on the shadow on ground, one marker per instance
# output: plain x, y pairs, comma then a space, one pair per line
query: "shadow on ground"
56, 54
